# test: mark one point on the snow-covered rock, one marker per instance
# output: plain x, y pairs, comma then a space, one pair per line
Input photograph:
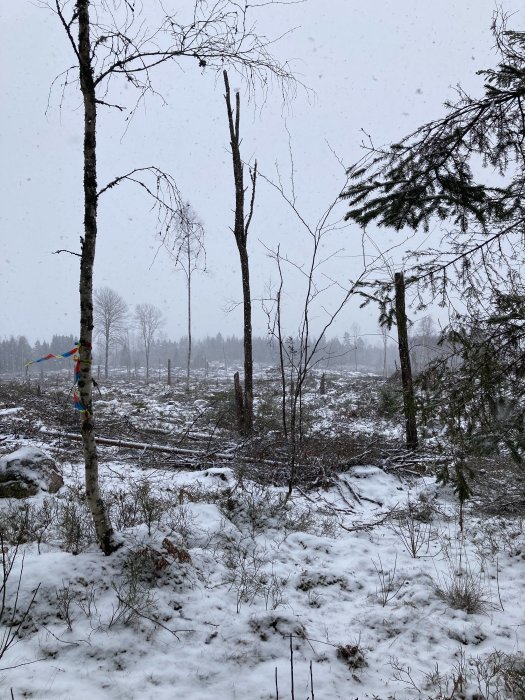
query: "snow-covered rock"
26, 472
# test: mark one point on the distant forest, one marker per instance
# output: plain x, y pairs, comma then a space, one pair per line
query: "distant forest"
356, 353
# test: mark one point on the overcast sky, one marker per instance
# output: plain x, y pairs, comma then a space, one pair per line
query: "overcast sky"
382, 67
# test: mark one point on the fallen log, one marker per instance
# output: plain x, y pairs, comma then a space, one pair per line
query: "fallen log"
117, 442
114, 442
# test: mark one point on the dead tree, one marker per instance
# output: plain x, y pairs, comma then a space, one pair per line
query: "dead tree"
409, 400
240, 231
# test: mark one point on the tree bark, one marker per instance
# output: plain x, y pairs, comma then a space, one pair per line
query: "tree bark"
239, 403
409, 401
248, 346
103, 527
106, 358
281, 352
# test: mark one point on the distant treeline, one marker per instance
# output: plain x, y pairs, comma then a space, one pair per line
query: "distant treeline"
15, 352
355, 353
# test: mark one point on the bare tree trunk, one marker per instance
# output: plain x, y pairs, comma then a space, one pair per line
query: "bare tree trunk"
384, 331
103, 527
240, 232
239, 403
106, 359
169, 372
248, 356
409, 401
189, 321
281, 349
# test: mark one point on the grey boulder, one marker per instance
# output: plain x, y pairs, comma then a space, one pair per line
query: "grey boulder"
26, 472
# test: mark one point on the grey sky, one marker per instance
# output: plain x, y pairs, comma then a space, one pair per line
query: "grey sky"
382, 66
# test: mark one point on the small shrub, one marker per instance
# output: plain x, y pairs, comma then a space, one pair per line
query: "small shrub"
74, 524
388, 588
150, 506
28, 522
512, 671
352, 655
13, 616
87, 599
134, 601
182, 522
306, 519
134, 598
252, 508
65, 597
413, 533
495, 535
461, 586
123, 508
145, 564
249, 578
498, 676
178, 553
390, 401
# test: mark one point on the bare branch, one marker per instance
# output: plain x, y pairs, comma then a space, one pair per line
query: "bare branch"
63, 250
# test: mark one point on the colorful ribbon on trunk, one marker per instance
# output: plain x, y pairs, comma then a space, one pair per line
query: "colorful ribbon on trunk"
75, 353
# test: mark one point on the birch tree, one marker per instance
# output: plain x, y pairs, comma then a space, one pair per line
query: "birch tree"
185, 245
148, 319
109, 40
110, 315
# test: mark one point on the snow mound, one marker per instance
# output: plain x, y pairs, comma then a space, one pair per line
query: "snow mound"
219, 474
373, 485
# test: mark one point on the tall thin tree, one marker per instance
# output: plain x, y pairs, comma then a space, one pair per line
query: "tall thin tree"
240, 231
185, 245
87, 85
409, 399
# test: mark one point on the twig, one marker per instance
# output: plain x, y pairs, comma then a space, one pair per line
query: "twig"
291, 667
368, 526
24, 663
76, 643
150, 619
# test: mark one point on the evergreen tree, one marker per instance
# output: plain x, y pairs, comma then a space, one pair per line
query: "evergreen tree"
434, 174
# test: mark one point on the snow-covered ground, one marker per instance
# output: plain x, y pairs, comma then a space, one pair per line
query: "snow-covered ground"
368, 589
204, 606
